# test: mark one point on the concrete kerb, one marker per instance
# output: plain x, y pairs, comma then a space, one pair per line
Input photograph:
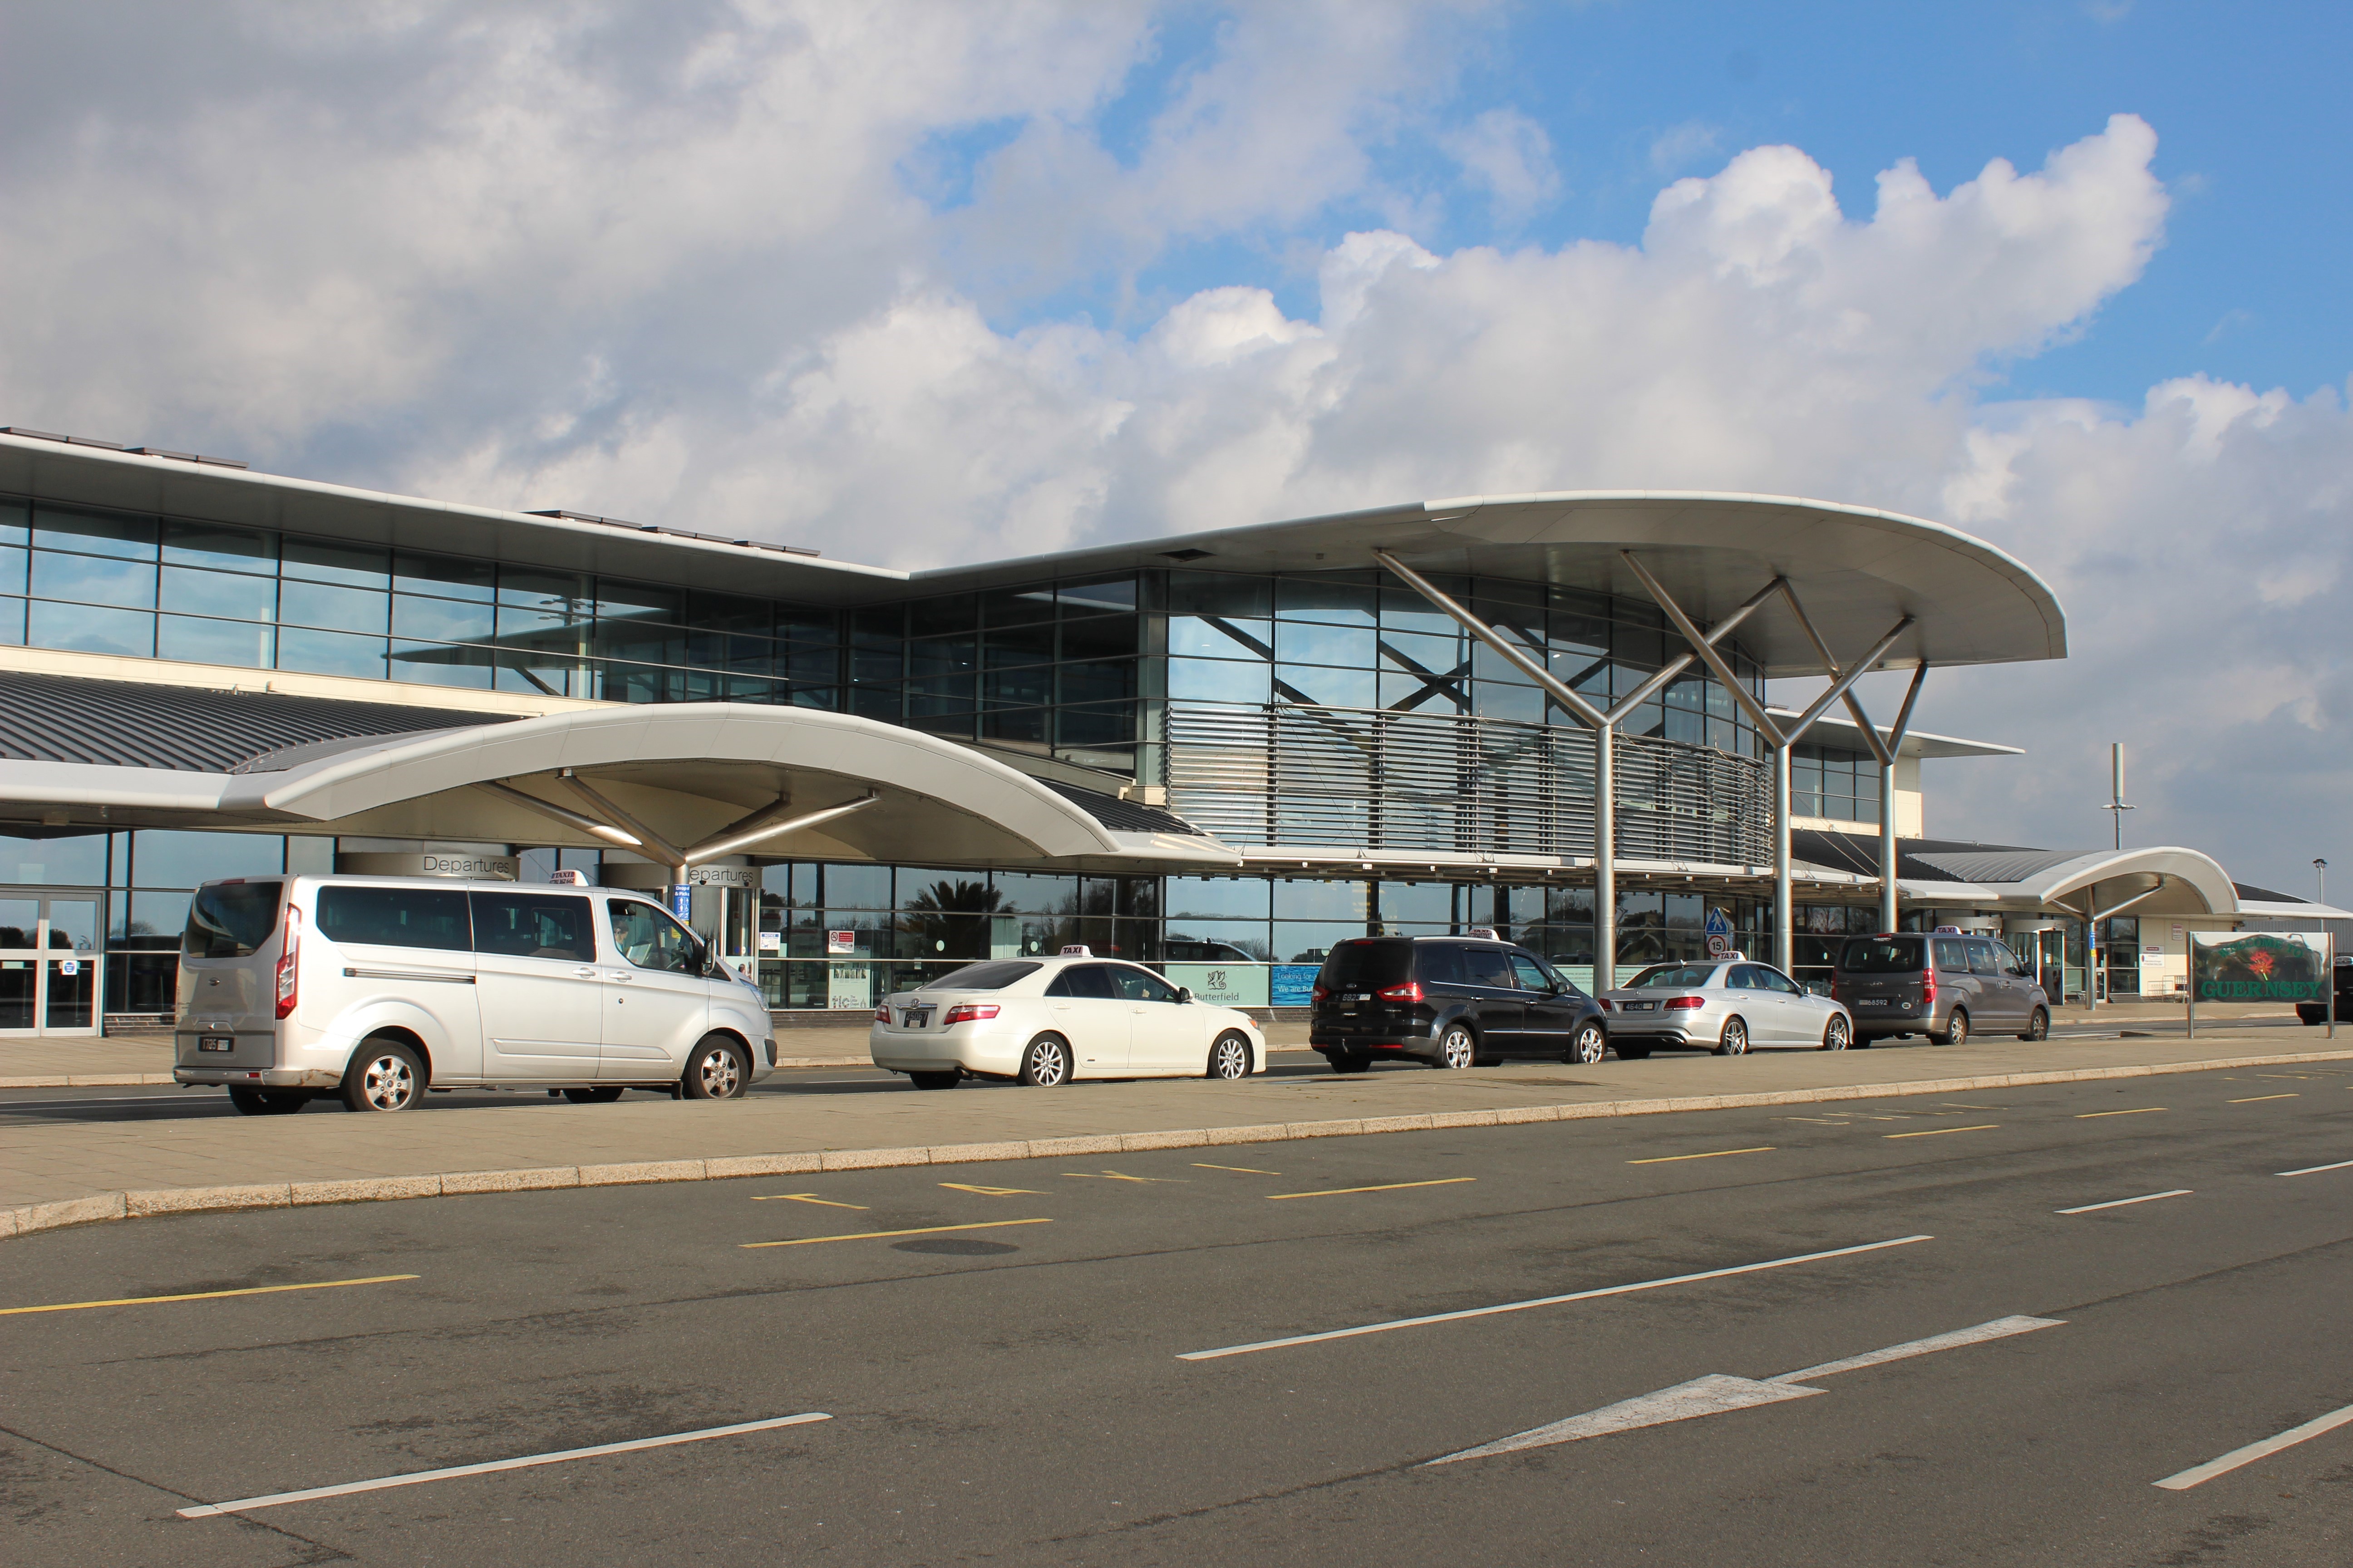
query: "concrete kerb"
27, 1219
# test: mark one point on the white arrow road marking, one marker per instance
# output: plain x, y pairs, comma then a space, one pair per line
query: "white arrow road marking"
1719, 1392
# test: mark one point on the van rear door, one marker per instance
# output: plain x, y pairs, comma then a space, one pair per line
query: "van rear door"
229, 960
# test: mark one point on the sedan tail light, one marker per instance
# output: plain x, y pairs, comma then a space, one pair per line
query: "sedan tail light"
882, 1014
1607, 1005
1680, 1004
969, 1013
289, 977
1408, 991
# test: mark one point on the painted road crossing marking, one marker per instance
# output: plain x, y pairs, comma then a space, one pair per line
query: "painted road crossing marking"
992, 1192
2119, 1203
2142, 1110
879, 1235
2253, 1098
1711, 1154
1245, 1170
1718, 1392
2315, 1170
1386, 1188
2183, 1481
204, 1295
801, 1199
1932, 1132
1548, 1300
417, 1478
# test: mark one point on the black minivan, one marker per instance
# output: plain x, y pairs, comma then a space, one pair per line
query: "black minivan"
1451, 1001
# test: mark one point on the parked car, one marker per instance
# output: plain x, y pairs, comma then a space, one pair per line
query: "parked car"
2317, 1012
1452, 1002
1945, 986
1048, 1021
1724, 1007
378, 989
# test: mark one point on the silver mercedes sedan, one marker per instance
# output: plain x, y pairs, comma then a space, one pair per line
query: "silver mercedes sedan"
1725, 1006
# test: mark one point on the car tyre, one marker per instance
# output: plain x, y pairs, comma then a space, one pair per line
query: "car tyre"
1585, 1046
385, 1075
1457, 1048
2038, 1026
600, 1094
935, 1079
1957, 1031
1349, 1062
1229, 1057
1838, 1034
717, 1070
1047, 1063
1734, 1040
269, 1101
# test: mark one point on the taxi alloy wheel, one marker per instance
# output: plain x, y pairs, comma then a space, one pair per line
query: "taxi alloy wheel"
1459, 1049
385, 1075
1586, 1049
1046, 1062
2038, 1027
1836, 1035
1733, 1042
717, 1070
1230, 1058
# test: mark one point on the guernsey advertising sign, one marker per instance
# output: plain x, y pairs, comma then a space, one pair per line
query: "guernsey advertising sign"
2265, 966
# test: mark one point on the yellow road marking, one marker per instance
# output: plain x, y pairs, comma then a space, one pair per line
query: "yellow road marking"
1246, 1169
204, 1295
1967, 1106
2299, 1076
802, 1198
1119, 1176
1817, 1121
2142, 1110
1932, 1132
1711, 1154
992, 1192
2252, 1098
1387, 1187
878, 1234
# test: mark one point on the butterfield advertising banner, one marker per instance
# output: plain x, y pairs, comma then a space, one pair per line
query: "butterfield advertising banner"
2264, 966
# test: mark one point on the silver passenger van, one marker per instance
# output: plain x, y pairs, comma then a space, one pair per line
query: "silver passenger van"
378, 989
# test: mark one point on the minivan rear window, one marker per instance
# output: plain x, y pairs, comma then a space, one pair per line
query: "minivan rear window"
1884, 955
1366, 965
230, 920
983, 977
397, 917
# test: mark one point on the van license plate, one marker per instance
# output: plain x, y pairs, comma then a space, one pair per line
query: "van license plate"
216, 1043
1871, 1001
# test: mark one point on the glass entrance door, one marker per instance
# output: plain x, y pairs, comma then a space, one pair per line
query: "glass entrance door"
49, 965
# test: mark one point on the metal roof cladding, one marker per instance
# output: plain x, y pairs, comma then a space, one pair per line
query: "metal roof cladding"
135, 724
1127, 815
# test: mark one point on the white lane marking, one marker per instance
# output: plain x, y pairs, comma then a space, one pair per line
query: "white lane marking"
1998, 1328
2119, 1203
1709, 1395
2185, 1480
414, 1477
1719, 1392
2313, 1170
1545, 1300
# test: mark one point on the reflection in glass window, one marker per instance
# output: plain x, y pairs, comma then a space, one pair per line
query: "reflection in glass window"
1326, 688
440, 620
231, 594
1221, 637
443, 576
437, 664
251, 550
351, 565
1327, 599
331, 653
1297, 642
92, 533
76, 862
326, 605
1220, 681
12, 568
12, 622
94, 580
161, 858
239, 643
83, 629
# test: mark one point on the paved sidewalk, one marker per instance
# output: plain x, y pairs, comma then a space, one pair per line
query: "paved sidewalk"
65, 1172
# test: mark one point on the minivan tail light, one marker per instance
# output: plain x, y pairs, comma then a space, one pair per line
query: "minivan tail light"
1319, 995
1408, 991
969, 1013
288, 975
1682, 1003
1929, 983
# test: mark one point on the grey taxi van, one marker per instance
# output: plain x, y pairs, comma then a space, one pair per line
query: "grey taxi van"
1946, 985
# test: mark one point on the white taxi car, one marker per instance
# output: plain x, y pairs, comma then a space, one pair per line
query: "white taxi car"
1045, 1021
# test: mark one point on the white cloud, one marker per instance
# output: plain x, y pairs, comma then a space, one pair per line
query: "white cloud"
1680, 146
1507, 154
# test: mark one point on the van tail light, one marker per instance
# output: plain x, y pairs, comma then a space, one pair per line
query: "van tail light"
1408, 991
1684, 1004
288, 975
1928, 986
1319, 995
969, 1013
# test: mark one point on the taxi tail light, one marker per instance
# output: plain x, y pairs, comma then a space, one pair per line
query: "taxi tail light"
1319, 995
1607, 1005
969, 1013
1408, 991
882, 1014
1680, 1004
1928, 986
288, 975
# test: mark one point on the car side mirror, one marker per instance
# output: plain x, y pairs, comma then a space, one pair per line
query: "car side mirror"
1184, 994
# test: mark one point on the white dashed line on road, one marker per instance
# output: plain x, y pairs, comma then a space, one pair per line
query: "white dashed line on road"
2183, 1481
2120, 1203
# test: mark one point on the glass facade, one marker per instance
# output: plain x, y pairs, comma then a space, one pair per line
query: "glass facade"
1827, 781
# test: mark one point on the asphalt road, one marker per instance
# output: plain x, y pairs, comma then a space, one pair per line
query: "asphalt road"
1005, 1376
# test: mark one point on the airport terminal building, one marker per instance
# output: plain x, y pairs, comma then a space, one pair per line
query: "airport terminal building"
1218, 755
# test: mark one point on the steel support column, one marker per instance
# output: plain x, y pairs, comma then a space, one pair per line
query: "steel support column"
1784, 915
1604, 858
1888, 912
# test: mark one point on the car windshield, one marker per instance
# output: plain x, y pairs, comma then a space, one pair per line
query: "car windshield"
1883, 955
982, 977
1659, 974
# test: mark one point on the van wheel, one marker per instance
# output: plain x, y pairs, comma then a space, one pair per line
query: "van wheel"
1586, 1049
1836, 1034
1348, 1061
269, 1101
1230, 1058
1956, 1033
1734, 1041
2038, 1027
717, 1070
1458, 1049
1046, 1062
935, 1079
385, 1075
602, 1094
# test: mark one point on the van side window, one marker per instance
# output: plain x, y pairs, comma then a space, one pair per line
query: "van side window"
1531, 974
1488, 966
1437, 963
652, 938
1952, 952
397, 917
1982, 959
533, 925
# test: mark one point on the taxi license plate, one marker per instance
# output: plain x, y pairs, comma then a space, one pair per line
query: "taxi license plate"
216, 1043
916, 1019
1870, 1002
1641, 1007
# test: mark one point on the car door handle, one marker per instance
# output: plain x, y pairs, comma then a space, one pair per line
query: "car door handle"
584, 973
